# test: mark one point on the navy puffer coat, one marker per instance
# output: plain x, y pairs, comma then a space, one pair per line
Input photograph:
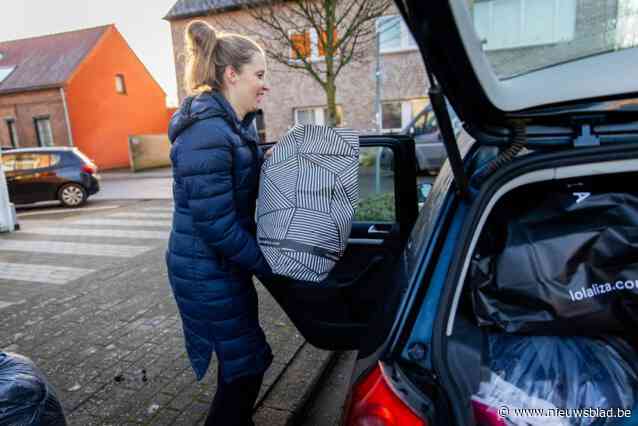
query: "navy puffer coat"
212, 251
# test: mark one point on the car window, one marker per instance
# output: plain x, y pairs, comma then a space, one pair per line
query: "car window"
55, 159
376, 185
8, 162
32, 160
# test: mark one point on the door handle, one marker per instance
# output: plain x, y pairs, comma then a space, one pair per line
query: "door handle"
374, 230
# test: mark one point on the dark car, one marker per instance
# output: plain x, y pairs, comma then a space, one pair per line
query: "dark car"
47, 174
424, 129
551, 115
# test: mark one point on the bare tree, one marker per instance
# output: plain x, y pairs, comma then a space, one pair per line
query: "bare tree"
319, 37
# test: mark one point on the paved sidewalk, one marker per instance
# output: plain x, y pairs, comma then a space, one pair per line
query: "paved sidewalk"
125, 174
94, 311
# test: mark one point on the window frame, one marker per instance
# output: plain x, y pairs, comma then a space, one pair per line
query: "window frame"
13, 132
406, 43
314, 46
47, 119
120, 80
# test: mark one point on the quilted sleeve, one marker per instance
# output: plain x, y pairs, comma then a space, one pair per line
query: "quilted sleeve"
206, 172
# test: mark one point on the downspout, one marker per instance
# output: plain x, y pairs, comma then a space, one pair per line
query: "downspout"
66, 117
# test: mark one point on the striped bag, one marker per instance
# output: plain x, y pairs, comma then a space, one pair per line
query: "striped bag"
308, 192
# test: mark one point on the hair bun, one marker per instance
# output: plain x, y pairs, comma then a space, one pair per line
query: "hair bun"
201, 34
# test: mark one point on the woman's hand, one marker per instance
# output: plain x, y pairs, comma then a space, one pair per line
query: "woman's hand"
268, 153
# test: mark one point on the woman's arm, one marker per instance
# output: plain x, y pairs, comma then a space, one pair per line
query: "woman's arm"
206, 172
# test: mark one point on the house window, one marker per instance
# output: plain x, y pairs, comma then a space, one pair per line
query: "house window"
509, 24
391, 115
43, 130
306, 44
316, 115
394, 35
13, 132
395, 115
120, 85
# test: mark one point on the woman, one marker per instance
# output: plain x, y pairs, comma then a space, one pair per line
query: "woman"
212, 252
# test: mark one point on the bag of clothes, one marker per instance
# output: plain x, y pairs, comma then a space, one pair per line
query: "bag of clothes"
568, 265
308, 193
550, 380
26, 398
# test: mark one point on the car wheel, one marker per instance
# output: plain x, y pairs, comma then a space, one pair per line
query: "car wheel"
72, 195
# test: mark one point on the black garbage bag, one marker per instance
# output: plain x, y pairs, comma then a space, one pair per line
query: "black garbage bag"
568, 265
593, 381
26, 398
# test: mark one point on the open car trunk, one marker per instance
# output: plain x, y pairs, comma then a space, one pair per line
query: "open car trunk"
533, 328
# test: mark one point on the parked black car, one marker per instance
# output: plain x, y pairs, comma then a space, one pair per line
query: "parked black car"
47, 174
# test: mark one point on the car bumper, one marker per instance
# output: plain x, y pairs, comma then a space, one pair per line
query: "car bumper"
94, 185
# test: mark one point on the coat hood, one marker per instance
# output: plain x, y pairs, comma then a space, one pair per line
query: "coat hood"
209, 105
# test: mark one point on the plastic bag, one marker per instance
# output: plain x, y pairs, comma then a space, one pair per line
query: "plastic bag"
551, 373
26, 398
308, 192
568, 265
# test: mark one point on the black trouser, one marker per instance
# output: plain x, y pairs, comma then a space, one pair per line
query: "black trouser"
233, 403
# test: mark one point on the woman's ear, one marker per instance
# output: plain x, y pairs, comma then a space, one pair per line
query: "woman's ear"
230, 74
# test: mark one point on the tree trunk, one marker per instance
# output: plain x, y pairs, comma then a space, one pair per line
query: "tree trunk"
331, 101
330, 9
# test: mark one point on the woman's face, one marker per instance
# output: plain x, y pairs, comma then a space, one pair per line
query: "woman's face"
250, 84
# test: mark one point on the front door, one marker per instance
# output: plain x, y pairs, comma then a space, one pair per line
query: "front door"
335, 315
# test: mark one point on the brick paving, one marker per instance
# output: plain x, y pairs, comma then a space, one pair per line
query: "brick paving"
110, 339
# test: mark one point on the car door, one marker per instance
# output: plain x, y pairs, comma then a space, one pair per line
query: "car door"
9, 166
20, 177
29, 180
335, 314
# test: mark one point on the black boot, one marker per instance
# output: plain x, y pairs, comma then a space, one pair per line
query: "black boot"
233, 403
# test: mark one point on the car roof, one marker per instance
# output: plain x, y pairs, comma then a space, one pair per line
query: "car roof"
40, 149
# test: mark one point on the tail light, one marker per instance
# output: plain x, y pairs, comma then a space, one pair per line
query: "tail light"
89, 168
374, 403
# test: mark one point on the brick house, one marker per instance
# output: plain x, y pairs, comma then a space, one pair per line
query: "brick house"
404, 82
83, 88
514, 32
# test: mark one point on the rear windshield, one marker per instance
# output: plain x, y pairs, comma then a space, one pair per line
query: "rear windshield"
520, 36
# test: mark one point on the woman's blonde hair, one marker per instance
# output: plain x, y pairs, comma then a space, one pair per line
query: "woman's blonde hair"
208, 53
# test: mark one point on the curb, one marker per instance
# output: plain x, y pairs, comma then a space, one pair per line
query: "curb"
287, 397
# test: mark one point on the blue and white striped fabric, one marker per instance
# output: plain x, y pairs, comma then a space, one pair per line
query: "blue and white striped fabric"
308, 192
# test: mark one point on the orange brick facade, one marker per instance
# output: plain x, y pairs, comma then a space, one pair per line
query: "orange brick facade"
101, 119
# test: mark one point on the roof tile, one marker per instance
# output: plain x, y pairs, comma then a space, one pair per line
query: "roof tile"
45, 61
192, 8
